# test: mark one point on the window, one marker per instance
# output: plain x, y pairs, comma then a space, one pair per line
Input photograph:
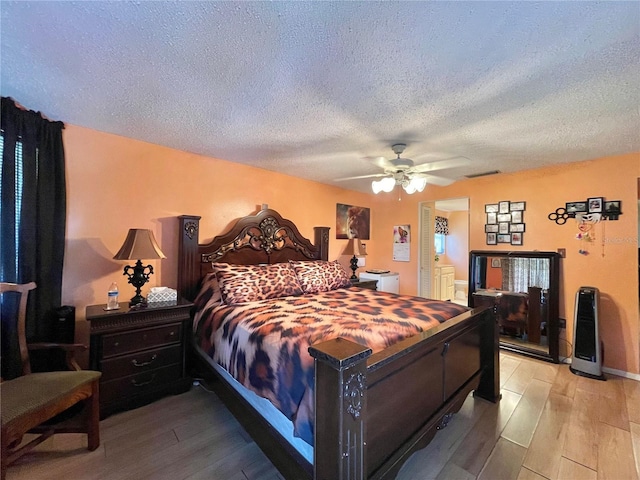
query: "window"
439, 242
17, 202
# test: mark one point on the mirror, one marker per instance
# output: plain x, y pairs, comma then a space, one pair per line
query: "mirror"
522, 288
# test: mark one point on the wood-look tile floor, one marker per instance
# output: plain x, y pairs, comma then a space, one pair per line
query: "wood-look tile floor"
550, 424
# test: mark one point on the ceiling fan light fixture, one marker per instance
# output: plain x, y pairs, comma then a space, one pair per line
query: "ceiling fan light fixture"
416, 184
384, 185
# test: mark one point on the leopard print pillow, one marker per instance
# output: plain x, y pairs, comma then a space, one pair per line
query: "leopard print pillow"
320, 276
209, 295
251, 283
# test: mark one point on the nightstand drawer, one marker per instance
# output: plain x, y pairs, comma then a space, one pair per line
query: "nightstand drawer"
133, 341
140, 362
140, 384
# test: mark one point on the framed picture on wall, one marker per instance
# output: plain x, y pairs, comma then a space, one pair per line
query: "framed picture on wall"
516, 227
503, 227
496, 263
352, 222
491, 218
516, 239
595, 204
503, 207
504, 238
491, 228
504, 217
491, 208
492, 239
517, 206
516, 217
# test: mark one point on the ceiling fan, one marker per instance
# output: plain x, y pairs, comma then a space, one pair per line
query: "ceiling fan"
413, 178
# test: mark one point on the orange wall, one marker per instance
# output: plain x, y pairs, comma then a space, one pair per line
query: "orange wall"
116, 183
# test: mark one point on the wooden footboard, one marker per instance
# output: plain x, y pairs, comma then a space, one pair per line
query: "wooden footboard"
374, 411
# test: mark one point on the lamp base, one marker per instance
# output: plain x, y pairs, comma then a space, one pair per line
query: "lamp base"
354, 267
138, 276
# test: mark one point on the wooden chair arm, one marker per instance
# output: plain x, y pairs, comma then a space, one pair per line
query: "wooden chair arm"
70, 350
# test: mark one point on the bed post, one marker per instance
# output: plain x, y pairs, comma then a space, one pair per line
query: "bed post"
188, 261
489, 387
321, 241
340, 410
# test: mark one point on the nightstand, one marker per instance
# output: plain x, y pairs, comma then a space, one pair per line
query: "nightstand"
370, 284
140, 352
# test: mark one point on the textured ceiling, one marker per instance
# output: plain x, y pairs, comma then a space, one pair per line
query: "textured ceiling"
319, 89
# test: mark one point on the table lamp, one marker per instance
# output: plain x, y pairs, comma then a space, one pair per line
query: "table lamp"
355, 248
140, 244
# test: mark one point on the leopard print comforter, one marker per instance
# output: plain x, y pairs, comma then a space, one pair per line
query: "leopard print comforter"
264, 344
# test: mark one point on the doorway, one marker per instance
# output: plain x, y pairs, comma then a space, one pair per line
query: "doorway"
454, 261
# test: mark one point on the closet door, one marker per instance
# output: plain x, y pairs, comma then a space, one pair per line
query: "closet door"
426, 250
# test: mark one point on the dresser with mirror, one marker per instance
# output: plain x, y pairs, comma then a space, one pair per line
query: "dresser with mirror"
522, 290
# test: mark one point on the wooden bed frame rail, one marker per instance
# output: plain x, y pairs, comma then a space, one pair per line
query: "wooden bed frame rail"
372, 411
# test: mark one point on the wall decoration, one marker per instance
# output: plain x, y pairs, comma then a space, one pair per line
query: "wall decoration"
516, 239
352, 222
612, 209
496, 263
594, 205
505, 222
401, 243
587, 213
491, 208
608, 210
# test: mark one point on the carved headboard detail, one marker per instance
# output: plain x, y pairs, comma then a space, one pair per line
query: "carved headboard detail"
265, 237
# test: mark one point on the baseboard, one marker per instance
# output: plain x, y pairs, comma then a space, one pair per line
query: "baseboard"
612, 371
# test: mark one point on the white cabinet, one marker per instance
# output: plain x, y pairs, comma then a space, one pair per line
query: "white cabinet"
444, 282
387, 282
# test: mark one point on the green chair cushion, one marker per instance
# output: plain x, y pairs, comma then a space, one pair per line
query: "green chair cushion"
34, 391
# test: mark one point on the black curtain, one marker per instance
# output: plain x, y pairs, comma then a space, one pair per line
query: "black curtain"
33, 211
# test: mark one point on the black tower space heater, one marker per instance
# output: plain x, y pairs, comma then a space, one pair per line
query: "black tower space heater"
587, 351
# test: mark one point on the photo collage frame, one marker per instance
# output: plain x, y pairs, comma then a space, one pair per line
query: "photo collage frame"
505, 222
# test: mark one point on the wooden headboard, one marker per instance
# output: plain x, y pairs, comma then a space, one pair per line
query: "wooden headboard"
264, 238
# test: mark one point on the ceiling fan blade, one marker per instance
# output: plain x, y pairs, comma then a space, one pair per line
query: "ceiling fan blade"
374, 175
440, 165
440, 181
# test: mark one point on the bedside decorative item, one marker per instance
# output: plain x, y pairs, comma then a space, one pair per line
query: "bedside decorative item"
140, 244
355, 248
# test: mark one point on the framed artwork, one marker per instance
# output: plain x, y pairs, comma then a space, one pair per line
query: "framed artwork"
505, 222
576, 207
595, 205
613, 209
352, 222
491, 208
496, 263
516, 239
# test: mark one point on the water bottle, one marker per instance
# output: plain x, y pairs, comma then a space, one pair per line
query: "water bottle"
112, 297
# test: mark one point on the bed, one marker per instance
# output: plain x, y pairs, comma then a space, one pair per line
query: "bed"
371, 408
